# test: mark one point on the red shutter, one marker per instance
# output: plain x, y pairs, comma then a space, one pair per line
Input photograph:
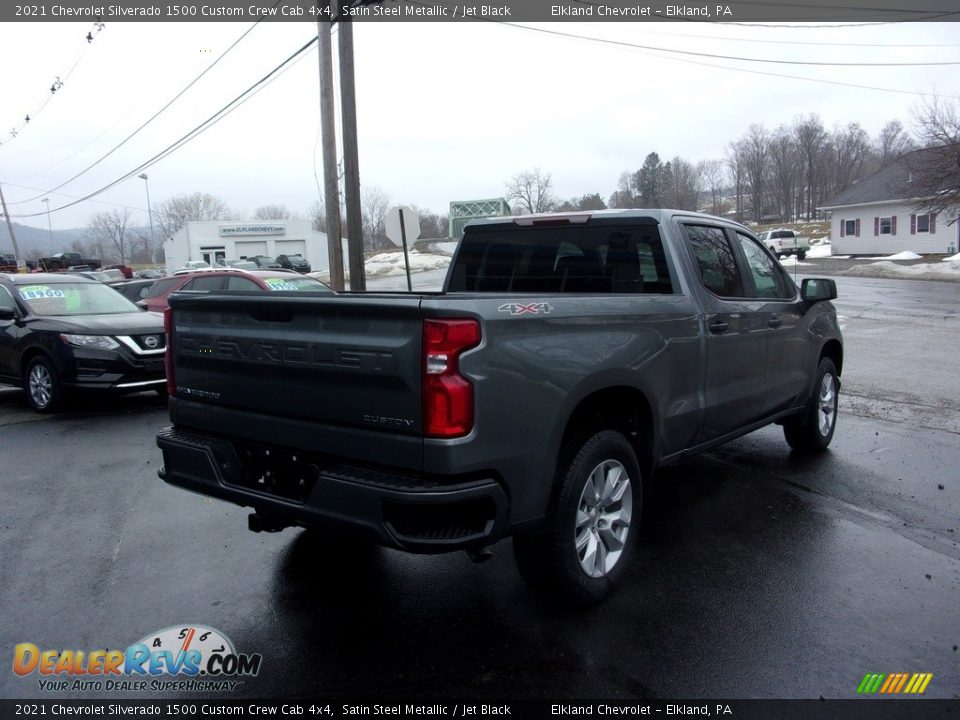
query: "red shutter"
893, 225
857, 228
843, 225
913, 224
933, 223
876, 226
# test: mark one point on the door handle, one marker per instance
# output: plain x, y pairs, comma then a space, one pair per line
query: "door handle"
774, 321
719, 327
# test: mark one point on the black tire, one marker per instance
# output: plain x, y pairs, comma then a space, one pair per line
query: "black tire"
801, 254
585, 543
41, 382
776, 254
813, 430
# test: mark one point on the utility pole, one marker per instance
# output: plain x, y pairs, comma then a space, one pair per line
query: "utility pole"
351, 162
13, 237
331, 195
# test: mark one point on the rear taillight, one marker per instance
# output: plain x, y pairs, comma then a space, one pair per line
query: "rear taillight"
168, 355
447, 395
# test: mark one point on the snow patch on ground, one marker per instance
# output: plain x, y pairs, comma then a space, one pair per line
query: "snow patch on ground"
923, 271
819, 251
444, 248
952, 258
391, 263
905, 255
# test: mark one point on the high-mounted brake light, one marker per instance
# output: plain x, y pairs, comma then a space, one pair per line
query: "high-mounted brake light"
168, 355
553, 220
447, 395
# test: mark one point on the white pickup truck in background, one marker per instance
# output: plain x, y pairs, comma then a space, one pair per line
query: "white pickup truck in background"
785, 242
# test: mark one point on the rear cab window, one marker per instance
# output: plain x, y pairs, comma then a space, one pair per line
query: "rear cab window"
596, 259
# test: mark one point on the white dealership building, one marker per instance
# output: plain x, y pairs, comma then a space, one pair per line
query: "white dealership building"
213, 240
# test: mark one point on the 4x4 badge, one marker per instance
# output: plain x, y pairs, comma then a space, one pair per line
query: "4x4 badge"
537, 308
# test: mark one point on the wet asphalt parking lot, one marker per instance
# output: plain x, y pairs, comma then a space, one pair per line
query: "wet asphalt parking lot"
761, 573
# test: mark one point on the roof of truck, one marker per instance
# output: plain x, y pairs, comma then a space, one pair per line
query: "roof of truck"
658, 215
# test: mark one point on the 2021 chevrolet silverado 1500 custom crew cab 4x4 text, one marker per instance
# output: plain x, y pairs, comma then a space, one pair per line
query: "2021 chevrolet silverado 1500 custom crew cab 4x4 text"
567, 357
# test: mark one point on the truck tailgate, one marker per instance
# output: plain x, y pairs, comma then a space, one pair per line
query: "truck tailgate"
298, 363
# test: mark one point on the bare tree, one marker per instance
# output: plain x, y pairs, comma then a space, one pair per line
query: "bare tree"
736, 163
936, 171
531, 191
892, 142
680, 185
374, 204
851, 148
756, 155
711, 172
173, 213
273, 212
783, 172
432, 225
812, 147
110, 229
318, 217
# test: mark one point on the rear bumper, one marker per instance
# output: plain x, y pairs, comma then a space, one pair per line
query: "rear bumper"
393, 510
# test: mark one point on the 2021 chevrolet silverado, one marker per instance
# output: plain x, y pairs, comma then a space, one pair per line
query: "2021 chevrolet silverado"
567, 357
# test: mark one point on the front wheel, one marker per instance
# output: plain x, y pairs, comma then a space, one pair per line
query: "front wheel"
813, 430
586, 541
42, 383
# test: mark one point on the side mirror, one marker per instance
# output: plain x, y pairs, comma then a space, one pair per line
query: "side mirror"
7, 313
817, 289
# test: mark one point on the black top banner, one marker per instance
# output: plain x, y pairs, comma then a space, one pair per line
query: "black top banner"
864, 709
765, 11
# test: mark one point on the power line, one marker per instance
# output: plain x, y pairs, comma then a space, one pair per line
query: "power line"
715, 56
881, 46
198, 130
58, 81
151, 118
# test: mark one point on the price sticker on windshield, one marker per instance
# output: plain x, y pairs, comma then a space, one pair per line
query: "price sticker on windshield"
276, 284
38, 292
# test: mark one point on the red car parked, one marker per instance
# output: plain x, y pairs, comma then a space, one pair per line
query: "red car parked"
224, 279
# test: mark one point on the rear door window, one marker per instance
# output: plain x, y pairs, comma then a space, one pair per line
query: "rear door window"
206, 282
715, 260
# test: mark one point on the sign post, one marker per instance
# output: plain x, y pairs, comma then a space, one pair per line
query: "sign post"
400, 224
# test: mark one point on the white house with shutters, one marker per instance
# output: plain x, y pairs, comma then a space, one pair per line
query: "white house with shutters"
878, 216
213, 240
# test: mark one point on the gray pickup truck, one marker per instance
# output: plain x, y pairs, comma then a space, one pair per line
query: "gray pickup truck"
567, 357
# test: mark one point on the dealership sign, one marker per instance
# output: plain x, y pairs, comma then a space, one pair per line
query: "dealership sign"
253, 229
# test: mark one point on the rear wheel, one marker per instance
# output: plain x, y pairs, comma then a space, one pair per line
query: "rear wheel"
587, 540
42, 383
813, 430
801, 254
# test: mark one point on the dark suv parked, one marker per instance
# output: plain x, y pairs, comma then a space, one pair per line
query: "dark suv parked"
294, 262
60, 332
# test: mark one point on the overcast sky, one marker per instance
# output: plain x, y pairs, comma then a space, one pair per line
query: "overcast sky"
445, 111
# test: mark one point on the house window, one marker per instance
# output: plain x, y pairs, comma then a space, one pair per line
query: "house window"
886, 226
850, 227
923, 223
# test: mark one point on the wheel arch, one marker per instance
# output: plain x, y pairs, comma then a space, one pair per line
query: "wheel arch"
30, 354
834, 350
622, 408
